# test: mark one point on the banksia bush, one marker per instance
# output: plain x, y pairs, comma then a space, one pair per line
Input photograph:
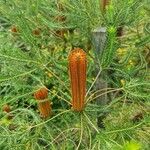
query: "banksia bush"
77, 69
35, 37
44, 104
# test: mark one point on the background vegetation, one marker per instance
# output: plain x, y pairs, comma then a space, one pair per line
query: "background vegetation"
35, 40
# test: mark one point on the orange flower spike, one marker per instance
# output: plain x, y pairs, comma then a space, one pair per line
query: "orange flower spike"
44, 104
77, 69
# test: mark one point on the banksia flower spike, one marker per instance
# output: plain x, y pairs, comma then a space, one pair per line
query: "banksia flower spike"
44, 104
77, 69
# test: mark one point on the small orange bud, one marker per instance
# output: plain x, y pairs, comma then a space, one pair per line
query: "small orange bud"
77, 69
36, 32
41, 94
6, 108
14, 29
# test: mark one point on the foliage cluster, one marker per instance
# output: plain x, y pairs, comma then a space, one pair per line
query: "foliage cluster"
36, 37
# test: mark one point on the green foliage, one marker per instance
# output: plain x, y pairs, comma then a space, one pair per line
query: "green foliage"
132, 145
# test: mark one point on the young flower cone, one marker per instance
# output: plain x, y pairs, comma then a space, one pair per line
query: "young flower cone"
6, 108
44, 104
77, 69
41, 94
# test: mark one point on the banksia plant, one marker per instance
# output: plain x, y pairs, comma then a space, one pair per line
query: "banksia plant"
77, 69
44, 104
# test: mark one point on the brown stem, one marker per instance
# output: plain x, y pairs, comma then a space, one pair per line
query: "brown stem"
104, 3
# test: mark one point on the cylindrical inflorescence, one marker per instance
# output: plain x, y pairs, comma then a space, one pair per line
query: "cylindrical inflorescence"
77, 69
44, 104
